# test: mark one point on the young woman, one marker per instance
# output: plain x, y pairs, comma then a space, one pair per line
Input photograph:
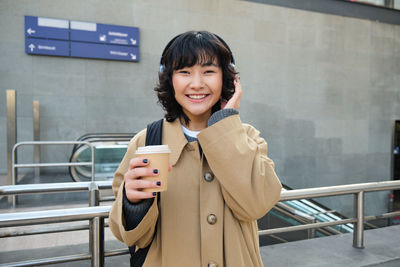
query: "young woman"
221, 180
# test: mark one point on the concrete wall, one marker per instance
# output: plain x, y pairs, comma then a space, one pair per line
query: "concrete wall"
322, 89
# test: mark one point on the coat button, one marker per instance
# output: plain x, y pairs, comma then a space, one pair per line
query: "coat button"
212, 219
212, 264
208, 177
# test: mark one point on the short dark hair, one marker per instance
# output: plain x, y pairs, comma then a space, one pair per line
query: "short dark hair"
186, 50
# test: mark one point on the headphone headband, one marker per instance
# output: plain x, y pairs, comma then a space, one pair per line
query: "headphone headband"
162, 68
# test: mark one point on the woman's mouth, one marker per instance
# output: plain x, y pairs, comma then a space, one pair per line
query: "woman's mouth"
197, 98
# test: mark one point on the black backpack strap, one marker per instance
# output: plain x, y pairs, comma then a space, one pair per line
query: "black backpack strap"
138, 257
153, 138
154, 133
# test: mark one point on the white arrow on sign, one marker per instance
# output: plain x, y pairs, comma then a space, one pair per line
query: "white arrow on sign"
102, 38
133, 56
133, 41
31, 46
30, 31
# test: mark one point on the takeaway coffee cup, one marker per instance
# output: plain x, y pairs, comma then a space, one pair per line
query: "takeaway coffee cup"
158, 157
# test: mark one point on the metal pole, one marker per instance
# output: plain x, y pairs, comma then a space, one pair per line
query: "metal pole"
92, 153
358, 234
313, 232
96, 230
11, 104
36, 137
94, 195
389, 3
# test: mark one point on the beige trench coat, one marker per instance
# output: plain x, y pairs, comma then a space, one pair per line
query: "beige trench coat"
208, 214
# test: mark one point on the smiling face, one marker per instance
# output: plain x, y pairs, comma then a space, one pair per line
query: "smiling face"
197, 89
194, 50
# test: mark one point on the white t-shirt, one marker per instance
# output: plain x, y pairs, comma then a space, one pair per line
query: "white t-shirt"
190, 133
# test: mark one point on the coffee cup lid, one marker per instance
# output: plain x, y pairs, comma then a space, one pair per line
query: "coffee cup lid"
153, 149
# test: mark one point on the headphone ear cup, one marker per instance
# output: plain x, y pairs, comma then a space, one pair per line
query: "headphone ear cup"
161, 68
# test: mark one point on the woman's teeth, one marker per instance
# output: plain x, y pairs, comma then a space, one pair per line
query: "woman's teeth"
197, 96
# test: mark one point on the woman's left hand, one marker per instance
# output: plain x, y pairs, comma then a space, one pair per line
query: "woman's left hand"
234, 102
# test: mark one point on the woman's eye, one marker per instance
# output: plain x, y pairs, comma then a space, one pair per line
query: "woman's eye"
184, 72
209, 71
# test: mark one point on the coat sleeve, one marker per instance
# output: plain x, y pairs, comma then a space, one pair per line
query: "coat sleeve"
143, 233
238, 157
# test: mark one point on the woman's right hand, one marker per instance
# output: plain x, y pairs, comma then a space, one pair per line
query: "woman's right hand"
133, 182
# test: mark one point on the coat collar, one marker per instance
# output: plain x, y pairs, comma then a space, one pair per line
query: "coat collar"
174, 137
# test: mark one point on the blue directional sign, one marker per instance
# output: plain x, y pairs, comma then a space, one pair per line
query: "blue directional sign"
38, 27
46, 47
60, 37
115, 52
102, 33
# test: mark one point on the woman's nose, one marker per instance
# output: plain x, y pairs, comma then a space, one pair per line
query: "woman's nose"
196, 82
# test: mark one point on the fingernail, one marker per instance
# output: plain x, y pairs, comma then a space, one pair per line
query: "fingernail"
155, 171
145, 161
154, 194
159, 183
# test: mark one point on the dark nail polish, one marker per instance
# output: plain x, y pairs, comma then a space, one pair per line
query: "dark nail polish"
155, 171
159, 183
145, 161
154, 194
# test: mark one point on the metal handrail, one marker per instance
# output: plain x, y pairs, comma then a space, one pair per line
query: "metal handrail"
51, 187
15, 165
339, 190
357, 189
59, 164
46, 230
52, 216
63, 164
64, 215
324, 224
54, 260
96, 214
285, 195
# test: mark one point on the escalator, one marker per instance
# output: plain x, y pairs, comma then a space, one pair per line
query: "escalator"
299, 212
110, 149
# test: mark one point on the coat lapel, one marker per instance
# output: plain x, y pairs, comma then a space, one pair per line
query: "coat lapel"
173, 137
